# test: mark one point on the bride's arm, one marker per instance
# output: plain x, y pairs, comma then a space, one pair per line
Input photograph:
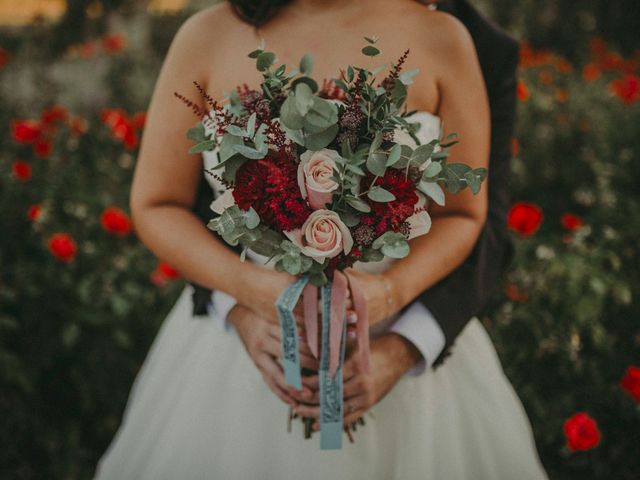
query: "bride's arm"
455, 229
166, 179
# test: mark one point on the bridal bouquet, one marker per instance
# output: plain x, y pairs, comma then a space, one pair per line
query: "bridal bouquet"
319, 177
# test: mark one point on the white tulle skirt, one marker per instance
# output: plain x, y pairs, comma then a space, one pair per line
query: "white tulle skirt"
199, 409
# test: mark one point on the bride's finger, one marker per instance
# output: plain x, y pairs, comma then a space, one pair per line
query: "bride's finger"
353, 387
273, 376
307, 411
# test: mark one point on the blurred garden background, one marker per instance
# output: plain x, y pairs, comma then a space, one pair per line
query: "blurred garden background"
81, 299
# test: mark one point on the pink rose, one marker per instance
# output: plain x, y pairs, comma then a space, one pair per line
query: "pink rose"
314, 176
323, 235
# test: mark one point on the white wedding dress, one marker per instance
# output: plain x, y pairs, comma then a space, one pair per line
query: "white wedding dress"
199, 409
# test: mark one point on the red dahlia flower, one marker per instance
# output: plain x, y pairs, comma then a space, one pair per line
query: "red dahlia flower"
581, 432
391, 215
63, 247
524, 218
270, 186
115, 221
630, 383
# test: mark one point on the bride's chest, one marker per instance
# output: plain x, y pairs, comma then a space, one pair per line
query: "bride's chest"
332, 49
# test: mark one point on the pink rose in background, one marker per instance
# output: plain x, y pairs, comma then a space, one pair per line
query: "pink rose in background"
323, 235
314, 176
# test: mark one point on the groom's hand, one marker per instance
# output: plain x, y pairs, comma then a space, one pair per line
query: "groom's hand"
391, 357
261, 339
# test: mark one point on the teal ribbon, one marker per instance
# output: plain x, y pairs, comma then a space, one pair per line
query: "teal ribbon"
331, 395
289, 332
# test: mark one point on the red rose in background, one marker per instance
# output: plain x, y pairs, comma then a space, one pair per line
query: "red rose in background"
122, 127
524, 218
630, 383
114, 43
168, 271
571, 222
21, 170
582, 432
163, 274
55, 114
522, 91
4, 57
591, 72
25, 131
63, 247
115, 221
627, 88
43, 149
34, 212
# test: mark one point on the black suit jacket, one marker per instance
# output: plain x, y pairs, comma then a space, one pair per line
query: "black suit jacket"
455, 299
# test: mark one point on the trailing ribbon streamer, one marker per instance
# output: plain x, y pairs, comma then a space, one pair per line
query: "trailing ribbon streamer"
339, 290
311, 317
362, 327
290, 348
331, 395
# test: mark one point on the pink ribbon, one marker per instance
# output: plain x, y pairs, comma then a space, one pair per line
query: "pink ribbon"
362, 327
310, 305
341, 285
339, 291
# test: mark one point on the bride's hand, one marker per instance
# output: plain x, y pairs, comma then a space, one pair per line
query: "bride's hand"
378, 294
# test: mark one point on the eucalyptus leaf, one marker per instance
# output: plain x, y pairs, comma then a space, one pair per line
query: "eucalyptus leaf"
227, 144
433, 191
432, 170
202, 146
289, 115
407, 77
306, 64
236, 131
359, 204
318, 141
251, 218
377, 164
394, 155
370, 51
251, 153
197, 133
264, 60
379, 194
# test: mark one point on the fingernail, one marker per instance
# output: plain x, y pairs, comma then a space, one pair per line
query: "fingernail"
352, 335
316, 427
352, 318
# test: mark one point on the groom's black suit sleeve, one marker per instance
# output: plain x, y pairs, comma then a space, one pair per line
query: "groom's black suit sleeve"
462, 294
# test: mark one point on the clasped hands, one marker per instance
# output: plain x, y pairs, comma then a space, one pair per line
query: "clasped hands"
391, 355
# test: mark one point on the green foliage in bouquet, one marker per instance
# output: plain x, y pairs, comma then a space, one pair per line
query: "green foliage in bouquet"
358, 119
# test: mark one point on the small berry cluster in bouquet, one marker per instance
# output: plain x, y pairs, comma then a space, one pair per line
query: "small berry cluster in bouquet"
318, 178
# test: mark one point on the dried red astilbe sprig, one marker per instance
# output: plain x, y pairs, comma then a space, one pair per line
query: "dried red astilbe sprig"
389, 82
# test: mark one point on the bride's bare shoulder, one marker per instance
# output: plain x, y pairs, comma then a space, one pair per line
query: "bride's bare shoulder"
207, 26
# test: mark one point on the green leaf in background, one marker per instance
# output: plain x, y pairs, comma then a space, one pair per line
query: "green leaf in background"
392, 244
318, 141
